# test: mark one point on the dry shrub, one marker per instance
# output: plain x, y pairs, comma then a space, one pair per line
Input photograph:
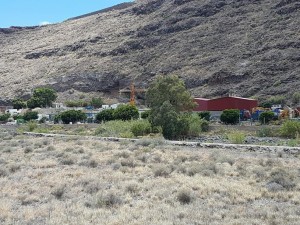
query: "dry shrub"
184, 197
3, 172
283, 177
132, 188
161, 171
108, 200
28, 150
59, 192
128, 162
67, 161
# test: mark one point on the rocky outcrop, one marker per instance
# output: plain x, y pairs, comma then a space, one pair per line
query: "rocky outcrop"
249, 47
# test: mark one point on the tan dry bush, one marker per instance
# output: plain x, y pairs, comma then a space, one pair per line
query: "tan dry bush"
108, 199
283, 177
161, 171
129, 162
132, 188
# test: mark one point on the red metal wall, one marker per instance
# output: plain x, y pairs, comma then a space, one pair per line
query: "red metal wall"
221, 104
202, 104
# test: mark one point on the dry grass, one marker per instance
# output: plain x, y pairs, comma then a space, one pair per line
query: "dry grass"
66, 181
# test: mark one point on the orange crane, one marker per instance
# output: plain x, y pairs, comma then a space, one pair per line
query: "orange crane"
132, 94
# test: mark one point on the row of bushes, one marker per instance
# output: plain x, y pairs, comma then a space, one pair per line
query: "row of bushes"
95, 102
30, 115
289, 129
122, 112
232, 116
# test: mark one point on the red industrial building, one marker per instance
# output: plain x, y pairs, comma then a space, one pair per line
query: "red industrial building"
220, 104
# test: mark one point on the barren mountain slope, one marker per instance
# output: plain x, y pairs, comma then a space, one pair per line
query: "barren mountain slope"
246, 47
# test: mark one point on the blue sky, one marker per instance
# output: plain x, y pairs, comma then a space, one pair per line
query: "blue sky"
36, 12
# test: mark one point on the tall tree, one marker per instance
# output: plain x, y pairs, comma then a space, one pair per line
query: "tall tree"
167, 96
172, 89
42, 97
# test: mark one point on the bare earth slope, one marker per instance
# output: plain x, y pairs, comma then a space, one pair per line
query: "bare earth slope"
248, 47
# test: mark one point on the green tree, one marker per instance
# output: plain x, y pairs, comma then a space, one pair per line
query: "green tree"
167, 118
105, 115
126, 112
42, 97
19, 103
230, 116
172, 89
168, 97
34, 102
30, 115
72, 116
96, 102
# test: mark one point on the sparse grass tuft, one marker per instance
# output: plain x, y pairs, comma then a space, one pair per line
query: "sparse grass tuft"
59, 192
28, 150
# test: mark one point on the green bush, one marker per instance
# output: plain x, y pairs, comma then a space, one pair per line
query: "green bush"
4, 117
115, 128
274, 100
57, 118
236, 137
30, 115
204, 125
265, 132
105, 115
182, 126
76, 103
18, 117
96, 102
31, 125
141, 128
204, 115
296, 98
230, 116
126, 112
266, 117
194, 125
146, 114
72, 116
290, 129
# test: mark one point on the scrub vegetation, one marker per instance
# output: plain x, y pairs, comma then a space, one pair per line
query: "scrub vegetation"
75, 181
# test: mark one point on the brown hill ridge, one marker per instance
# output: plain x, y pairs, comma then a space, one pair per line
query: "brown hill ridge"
245, 47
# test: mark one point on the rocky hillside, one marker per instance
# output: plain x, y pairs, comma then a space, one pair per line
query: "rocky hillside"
242, 47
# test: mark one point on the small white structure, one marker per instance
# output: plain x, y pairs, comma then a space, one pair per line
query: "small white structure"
14, 112
58, 105
105, 107
113, 106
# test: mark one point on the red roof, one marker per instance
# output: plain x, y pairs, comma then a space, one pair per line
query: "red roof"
220, 104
